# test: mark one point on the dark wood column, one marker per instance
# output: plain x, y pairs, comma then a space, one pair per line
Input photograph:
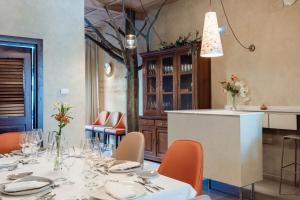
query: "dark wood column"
132, 79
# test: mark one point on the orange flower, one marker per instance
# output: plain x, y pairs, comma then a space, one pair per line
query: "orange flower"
234, 77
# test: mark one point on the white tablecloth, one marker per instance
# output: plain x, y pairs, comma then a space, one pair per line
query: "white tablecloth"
175, 190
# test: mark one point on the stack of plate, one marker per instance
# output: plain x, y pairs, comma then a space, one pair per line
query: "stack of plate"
33, 184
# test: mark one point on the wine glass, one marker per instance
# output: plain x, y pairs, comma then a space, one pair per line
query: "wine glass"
22, 141
68, 162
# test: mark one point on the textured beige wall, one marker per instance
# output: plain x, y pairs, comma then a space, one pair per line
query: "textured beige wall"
272, 71
112, 89
60, 25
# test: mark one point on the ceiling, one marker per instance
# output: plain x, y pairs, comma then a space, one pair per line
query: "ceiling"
95, 12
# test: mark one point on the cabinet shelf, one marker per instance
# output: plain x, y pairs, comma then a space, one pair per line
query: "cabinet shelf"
168, 75
186, 73
151, 76
166, 93
151, 93
186, 92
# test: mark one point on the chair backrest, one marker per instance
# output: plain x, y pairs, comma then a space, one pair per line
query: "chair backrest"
131, 148
122, 122
184, 161
101, 119
113, 119
9, 142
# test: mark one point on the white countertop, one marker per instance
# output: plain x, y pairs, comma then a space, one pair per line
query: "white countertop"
271, 109
215, 112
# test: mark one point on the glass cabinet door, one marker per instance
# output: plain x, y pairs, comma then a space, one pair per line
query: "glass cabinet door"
185, 82
151, 85
167, 83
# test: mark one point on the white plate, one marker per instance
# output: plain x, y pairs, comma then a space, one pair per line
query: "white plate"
99, 193
117, 162
125, 170
32, 191
8, 162
147, 174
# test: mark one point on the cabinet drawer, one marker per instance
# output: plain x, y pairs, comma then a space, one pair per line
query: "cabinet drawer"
161, 123
147, 122
283, 121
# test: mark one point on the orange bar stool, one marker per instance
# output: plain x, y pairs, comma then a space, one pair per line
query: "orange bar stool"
183, 161
9, 142
119, 130
100, 121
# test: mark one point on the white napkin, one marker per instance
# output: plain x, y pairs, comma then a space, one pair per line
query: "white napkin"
8, 162
124, 166
25, 185
119, 190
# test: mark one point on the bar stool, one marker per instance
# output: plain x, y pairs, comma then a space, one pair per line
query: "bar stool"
295, 138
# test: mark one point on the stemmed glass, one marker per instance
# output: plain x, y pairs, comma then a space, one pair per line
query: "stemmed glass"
68, 162
49, 143
36, 139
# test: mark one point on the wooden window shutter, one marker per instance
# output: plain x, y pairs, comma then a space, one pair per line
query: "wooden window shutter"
12, 87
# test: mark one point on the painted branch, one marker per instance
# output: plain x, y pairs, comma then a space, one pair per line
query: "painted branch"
112, 35
120, 30
156, 16
102, 38
116, 28
106, 49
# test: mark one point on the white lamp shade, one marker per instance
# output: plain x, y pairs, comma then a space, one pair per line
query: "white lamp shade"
211, 42
130, 41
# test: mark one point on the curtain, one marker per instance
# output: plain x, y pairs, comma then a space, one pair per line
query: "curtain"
91, 80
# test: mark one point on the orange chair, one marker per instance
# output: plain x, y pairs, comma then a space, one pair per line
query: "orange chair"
100, 121
183, 161
119, 130
9, 142
111, 122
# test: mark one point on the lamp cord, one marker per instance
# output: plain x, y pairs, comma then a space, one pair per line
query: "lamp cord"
251, 47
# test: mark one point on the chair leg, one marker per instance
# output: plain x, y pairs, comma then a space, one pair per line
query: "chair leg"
116, 140
281, 167
295, 177
108, 138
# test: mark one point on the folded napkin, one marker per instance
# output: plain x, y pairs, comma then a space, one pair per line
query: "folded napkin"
8, 162
25, 185
119, 190
125, 166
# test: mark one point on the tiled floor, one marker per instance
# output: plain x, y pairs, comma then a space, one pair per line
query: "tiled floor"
265, 190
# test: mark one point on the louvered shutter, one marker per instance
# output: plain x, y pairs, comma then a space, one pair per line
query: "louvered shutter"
11, 87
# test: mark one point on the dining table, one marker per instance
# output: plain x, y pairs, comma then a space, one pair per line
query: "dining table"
83, 185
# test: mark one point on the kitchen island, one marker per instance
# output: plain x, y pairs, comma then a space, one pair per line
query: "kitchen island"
232, 142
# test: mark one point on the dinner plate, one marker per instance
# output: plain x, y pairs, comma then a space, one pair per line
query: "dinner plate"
31, 191
8, 162
99, 193
147, 174
125, 170
117, 162
19, 175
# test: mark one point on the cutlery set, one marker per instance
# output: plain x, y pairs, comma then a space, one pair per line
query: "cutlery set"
149, 186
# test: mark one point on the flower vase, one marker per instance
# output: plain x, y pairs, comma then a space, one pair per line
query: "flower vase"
58, 153
233, 101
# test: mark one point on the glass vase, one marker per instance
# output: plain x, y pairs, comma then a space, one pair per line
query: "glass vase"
233, 102
58, 153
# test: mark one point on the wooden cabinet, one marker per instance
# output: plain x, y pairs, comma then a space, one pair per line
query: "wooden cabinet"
173, 79
156, 137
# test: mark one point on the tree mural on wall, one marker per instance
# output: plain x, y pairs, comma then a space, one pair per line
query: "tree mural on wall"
126, 56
